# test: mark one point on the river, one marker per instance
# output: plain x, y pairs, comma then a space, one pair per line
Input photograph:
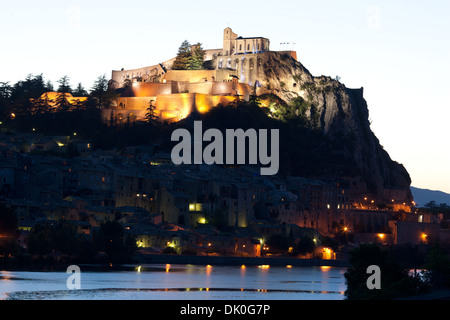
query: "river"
179, 282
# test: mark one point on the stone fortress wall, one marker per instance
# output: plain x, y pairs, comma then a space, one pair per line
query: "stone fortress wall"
237, 72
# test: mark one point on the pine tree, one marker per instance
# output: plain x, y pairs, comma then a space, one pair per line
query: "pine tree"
43, 104
80, 91
151, 116
181, 60
64, 85
49, 86
62, 104
101, 94
23, 91
195, 60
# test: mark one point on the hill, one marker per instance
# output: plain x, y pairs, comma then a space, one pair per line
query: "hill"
341, 114
423, 196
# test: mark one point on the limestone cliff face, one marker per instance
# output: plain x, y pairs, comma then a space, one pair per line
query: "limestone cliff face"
341, 112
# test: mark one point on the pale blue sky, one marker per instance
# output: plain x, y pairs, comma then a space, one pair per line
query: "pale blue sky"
397, 50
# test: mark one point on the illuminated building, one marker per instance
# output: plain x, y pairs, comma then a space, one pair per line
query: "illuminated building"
235, 71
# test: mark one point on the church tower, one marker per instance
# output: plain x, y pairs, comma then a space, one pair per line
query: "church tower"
229, 42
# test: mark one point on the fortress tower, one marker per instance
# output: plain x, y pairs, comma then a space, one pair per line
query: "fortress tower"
229, 41
233, 45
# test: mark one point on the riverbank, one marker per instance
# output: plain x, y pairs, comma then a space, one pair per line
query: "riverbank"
237, 261
179, 259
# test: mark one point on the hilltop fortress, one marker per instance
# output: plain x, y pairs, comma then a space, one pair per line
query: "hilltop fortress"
232, 72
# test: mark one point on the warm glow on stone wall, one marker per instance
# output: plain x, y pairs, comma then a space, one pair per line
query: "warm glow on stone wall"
401, 207
169, 107
190, 75
150, 89
205, 102
134, 103
175, 107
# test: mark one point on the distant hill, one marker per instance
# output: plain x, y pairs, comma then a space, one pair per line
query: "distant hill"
422, 196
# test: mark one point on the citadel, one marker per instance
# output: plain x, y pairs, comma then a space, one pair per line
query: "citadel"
234, 72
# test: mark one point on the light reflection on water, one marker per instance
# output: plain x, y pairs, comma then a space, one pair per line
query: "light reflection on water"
191, 282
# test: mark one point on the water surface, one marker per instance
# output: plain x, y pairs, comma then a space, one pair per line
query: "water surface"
179, 282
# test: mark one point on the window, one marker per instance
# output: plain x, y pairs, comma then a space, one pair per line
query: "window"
240, 47
248, 47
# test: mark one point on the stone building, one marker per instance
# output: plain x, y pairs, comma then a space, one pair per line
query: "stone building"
234, 72
235, 45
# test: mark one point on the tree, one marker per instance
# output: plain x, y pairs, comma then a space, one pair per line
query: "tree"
395, 280
182, 58
49, 86
151, 116
101, 94
112, 240
64, 85
39, 240
65, 238
432, 204
5, 90
23, 91
62, 104
80, 91
8, 222
5, 99
438, 266
279, 243
61, 237
42, 104
196, 57
306, 245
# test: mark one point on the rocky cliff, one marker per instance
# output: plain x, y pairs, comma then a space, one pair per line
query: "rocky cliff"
338, 112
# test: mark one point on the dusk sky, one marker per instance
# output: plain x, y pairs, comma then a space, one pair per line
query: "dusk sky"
398, 51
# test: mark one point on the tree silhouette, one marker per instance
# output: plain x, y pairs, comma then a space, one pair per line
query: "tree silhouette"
23, 91
5, 101
431, 204
111, 239
306, 245
151, 116
62, 104
395, 280
64, 85
101, 95
80, 91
